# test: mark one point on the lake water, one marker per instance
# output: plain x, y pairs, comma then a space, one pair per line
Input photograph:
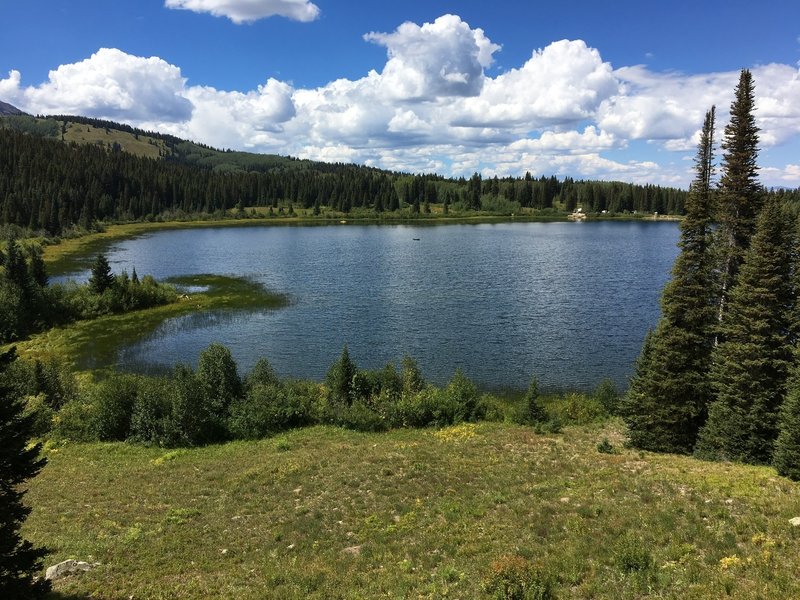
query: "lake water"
568, 302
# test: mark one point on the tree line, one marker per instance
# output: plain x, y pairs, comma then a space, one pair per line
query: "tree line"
720, 374
51, 186
29, 304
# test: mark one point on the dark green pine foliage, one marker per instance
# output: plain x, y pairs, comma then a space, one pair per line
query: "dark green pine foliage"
751, 364
740, 194
786, 458
668, 396
340, 378
101, 278
19, 559
534, 411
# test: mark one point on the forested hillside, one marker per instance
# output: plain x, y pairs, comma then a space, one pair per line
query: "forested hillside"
61, 172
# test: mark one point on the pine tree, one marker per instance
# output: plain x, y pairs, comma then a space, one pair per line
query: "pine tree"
340, 378
751, 364
787, 447
740, 194
19, 559
669, 394
102, 278
534, 411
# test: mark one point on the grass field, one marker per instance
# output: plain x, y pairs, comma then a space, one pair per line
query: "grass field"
327, 513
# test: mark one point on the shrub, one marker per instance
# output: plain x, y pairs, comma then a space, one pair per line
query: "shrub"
605, 447
152, 412
632, 556
192, 422
113, 402
75, 421
461, 398
360, 417
532, 410
220, 386
606, 395
40, 414
262, 373
577, 409
515, 578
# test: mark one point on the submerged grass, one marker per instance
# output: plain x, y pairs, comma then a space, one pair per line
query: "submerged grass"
87, 344
328, 513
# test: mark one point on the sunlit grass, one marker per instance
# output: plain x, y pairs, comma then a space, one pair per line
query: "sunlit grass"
327, 513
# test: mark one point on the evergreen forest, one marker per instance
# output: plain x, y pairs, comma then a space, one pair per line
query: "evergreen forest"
719, 375
53, 180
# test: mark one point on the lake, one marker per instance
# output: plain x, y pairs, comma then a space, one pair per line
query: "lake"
568, 302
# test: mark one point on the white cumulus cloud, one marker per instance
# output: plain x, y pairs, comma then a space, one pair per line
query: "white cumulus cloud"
434, 107
247, 11
439, 59
109, 84
562, 83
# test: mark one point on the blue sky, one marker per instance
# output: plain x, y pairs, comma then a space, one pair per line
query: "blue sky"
612, 90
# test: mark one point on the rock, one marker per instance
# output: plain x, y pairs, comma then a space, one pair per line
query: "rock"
353, 550
795, 522
68, 567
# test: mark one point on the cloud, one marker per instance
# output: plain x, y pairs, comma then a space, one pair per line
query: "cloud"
110, 84
563, 83
440, 59
247, 11
433, 107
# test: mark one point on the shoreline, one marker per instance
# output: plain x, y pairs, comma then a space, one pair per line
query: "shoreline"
62, 256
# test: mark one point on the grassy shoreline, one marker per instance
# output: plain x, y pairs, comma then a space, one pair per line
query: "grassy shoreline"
328, 513
81, 343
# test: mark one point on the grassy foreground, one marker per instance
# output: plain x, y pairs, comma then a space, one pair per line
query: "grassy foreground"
328, 513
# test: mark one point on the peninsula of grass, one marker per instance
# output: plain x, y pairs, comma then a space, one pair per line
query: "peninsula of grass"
427, 513
87, 344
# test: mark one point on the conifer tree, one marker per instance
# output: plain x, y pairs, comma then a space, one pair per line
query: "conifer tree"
340, 378
668, 396
787, 447
740, 194
102, 278
751, 364
19, 559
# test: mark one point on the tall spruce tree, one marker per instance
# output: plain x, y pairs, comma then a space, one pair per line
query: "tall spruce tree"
740, 194
668, 396
101, 278
751, 364
786, 457
19, 559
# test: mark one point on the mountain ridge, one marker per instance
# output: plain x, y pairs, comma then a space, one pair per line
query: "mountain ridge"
7, 110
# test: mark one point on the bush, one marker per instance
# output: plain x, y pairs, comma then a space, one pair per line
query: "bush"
262, 373
632, 555
515, 578
113, 402
605, 447
606, 395
151, 420
269, 409
75, 421
577, 409
41, 414
360, 417
461, 399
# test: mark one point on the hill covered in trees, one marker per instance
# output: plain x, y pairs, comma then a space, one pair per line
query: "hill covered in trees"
61, 172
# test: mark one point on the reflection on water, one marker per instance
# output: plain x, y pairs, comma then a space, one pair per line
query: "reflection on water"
569, 302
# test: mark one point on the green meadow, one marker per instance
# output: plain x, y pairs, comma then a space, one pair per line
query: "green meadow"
462, 512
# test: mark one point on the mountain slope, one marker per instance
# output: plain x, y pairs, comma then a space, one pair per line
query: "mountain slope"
6, 110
